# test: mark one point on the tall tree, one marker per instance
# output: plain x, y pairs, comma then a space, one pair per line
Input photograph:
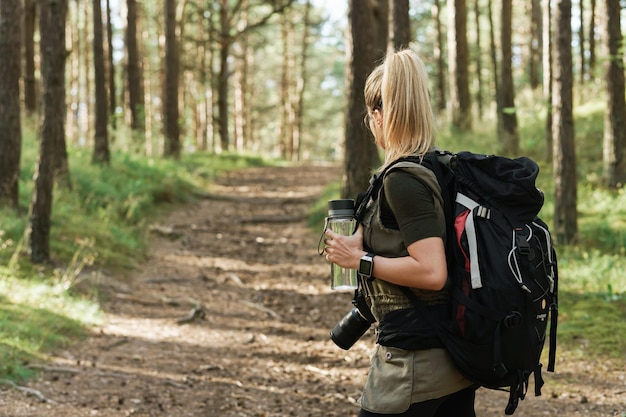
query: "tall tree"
101, 139
478, 60
614, 149
110, 65
458, 66
536, 44
302, 78
85, 49
30, 82
581, 39
72, 72
565, 215
52, 51
10, 124
547, 75
56, 131
400, 27
591, 64
225, 42
242, 69
134, 69
494, 65
172, 79
368, 29
439, 55
286, 87
206, 33
509, 135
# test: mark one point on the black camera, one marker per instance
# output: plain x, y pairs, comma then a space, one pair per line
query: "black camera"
354, 324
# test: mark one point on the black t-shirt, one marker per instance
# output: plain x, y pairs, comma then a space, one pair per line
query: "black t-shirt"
408, 205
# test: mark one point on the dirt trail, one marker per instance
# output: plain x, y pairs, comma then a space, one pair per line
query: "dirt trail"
230, 317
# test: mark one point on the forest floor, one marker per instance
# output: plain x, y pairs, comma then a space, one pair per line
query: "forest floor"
230, 317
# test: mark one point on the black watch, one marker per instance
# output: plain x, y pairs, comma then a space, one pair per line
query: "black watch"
366, 266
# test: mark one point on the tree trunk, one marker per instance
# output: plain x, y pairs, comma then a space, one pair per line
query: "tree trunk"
11, 128
460, 101
547, 75
73, 106
591, 67
368, 30
101, 138
536, 44
85, 50
285, 87
30, 82
614, 148
565, 215
223, 76
241, 90
439, 55
581, 38
478, 61
509, 135
400, 33
172, 74
240, 83
52, 51
201, 111
494, 67
291, 93
210, 76
302, 77
134, 71
59, 158
111, 67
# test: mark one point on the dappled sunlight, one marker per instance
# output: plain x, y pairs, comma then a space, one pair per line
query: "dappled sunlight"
305, 192
231, 316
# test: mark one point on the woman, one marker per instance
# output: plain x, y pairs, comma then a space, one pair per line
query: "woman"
400, 243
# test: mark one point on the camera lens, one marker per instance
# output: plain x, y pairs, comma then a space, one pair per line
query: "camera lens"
349, 329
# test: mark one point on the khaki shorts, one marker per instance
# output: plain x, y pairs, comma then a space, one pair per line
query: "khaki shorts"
398, 378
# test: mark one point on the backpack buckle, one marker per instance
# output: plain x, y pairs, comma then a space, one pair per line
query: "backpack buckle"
522, 244
484, 212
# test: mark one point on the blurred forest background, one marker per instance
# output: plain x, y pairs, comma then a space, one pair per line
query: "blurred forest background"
110, 108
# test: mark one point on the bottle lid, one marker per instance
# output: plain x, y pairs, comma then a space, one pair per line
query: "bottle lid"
343, 207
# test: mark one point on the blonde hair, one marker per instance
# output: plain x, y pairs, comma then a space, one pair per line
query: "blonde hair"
373, 87
400, 86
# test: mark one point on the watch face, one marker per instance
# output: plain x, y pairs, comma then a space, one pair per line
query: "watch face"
366, 266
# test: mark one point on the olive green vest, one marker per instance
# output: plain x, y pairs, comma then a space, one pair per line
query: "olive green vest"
383, 297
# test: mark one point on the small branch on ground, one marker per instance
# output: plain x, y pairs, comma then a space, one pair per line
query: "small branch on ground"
59, 369
196, 313
28, 391
261, 308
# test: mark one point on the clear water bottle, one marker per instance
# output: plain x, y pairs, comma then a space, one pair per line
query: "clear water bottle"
341, 220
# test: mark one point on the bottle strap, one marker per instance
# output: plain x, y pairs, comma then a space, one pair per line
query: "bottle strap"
320, 248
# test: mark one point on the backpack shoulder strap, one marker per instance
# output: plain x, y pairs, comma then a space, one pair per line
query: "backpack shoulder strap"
437, 162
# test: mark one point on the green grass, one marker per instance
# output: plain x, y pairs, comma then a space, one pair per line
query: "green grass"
592, 325
101, 221
36, 317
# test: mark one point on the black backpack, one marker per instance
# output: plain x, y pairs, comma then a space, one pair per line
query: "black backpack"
502, 267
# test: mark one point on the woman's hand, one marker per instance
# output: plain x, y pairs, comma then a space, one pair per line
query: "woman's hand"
345, 251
